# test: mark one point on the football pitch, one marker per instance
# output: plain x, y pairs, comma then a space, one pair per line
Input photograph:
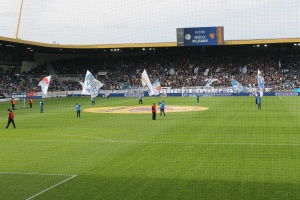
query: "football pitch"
229, 151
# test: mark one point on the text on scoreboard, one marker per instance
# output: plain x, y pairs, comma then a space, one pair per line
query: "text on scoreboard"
202, 36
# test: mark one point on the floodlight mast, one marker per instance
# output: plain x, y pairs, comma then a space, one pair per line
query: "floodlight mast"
17, 32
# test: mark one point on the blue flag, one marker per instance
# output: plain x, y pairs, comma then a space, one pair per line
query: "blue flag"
237, 87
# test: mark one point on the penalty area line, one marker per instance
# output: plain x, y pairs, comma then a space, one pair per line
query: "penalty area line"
158, 143
39, 174
30, 173
49, 188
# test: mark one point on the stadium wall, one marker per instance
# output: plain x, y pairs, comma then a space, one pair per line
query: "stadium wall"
123, 93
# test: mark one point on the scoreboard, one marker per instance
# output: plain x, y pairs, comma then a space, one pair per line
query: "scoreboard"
202, 36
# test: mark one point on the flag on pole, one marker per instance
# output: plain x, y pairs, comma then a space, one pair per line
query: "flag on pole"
156, 87
279, 64
91, 85
209, 82
44, 83
146, 82
206, 72
237, 87
260, 83
84, 91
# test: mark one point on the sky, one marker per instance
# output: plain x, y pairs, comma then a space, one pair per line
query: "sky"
146, 21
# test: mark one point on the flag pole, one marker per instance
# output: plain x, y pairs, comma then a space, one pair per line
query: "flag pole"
17, 32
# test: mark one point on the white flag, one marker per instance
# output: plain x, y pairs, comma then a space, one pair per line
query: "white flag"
156, 87
146, 82
260, 83
91, 85
206, 72
83, 91
279, 64
44, 83
209, 82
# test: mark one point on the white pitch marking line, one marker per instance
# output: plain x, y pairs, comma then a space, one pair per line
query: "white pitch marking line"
97, 138
49, 188
110, 140
182, 143
29, 173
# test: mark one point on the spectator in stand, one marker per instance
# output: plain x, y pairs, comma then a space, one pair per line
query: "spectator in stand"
175, 69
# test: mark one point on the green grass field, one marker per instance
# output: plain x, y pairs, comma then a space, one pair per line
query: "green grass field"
231, 151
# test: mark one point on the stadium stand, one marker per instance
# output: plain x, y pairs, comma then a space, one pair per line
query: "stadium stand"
175, 68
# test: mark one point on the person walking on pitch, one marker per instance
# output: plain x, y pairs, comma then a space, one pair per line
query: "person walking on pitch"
13, 103
77, 107
153, 112
259, 103
162, 108
41, 106
197, 97
11, 118
140, 99
30, 102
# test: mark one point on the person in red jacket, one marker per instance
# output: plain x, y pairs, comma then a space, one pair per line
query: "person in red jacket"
30, 102
13, 102
11, 117
153, 112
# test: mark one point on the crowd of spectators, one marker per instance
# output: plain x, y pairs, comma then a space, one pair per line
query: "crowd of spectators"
281, 71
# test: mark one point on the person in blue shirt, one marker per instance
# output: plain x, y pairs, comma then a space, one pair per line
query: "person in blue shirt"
162, 108
77, 107
93, 101
197, 97
259, 103
256, 97
141, 99
41, 106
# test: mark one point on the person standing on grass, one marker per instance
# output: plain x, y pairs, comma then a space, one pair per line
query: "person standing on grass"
30, 102
77, 107
153, 112
197, 97
11, 118
41, 106
13, 103
141, 99
256, 97
259, 103
93, 101
162, 108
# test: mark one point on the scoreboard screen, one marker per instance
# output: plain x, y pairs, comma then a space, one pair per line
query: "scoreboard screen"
202, 36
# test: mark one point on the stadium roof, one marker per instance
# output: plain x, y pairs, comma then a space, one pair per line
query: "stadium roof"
57, 48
